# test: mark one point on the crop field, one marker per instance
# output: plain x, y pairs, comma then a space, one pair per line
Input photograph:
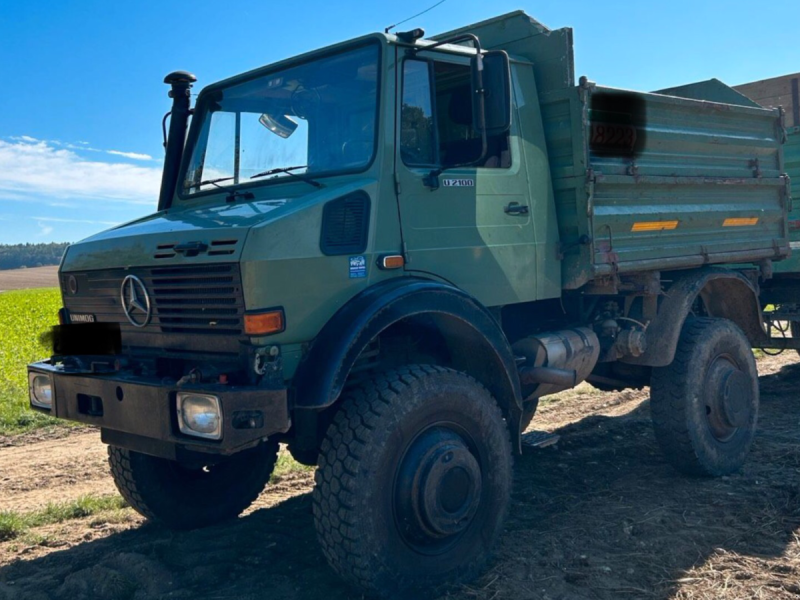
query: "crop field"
601, 515
23, 279
24, 316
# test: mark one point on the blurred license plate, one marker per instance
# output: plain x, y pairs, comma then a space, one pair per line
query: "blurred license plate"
87, 339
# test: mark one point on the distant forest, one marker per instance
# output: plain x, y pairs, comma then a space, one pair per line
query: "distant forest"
21, 256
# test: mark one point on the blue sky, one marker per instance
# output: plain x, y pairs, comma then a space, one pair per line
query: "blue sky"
81, 95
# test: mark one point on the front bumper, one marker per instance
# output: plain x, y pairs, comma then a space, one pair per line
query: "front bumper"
140, 414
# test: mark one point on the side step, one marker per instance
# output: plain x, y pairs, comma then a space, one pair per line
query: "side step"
539, 439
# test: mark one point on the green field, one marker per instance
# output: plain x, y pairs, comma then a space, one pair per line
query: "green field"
24, 316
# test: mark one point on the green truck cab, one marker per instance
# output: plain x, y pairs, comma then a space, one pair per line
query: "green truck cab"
384, 252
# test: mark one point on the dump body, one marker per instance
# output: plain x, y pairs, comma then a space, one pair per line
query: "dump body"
700, 184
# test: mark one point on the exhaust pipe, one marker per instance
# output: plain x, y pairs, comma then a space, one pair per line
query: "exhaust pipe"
566, 378
181, 82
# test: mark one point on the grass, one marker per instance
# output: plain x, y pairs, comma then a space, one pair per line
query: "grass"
286, 465
24, 316
14, 524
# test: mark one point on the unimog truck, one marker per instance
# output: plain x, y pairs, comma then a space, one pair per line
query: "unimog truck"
384, 252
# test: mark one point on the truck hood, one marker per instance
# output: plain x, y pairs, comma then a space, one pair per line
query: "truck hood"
217, 232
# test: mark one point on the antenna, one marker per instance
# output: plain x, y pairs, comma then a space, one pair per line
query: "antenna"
390, 27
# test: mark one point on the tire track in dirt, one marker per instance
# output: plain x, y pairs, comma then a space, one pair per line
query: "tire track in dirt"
54, 470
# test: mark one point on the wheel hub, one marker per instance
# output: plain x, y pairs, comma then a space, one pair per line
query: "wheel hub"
736, 399
728, 399
438, 487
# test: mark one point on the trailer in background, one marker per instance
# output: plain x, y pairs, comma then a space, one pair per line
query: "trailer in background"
782, 291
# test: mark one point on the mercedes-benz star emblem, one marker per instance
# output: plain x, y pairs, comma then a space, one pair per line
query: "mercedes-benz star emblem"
135, 301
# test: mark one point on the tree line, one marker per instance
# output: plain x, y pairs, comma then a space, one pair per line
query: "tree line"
18, 256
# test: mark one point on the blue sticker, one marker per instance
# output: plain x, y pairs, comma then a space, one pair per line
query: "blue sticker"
358, 267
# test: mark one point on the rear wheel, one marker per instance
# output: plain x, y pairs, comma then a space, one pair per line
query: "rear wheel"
794, 327
413, 482
705, 404
183, 497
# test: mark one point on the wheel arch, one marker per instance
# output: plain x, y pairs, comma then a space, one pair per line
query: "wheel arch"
475, 341
725, 294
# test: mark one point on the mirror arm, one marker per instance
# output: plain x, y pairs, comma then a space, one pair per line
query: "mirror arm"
431, 180
482, 110
458, 38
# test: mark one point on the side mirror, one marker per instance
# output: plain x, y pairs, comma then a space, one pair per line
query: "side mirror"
491, 73
281, 125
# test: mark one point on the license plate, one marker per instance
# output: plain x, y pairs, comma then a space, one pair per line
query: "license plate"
87, 339
81, 318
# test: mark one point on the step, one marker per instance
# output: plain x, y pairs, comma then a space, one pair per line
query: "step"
539, 439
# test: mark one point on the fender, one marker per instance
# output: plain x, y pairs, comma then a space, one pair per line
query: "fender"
479, 346
725, 293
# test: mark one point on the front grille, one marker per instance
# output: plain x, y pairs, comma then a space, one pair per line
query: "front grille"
198, 300
194, 308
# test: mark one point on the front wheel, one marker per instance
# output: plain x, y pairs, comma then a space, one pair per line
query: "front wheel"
705, 404
183, 497
414, 481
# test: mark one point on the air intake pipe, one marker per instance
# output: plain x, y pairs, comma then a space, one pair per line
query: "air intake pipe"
180, 92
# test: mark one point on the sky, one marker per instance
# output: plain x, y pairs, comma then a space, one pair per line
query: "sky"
81, 92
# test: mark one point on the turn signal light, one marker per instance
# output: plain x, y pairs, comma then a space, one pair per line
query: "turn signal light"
264, 323
392, 261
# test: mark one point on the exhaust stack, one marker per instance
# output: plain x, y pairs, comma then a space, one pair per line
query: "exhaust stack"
181, 82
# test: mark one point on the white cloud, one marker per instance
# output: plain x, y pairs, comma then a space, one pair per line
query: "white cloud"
60, 220
41, 170
133, 155
24, 138
44, 230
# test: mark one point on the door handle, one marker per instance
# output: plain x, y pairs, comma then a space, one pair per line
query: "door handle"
515, 208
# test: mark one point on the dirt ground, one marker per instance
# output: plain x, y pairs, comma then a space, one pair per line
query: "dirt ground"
22, 279
599, 516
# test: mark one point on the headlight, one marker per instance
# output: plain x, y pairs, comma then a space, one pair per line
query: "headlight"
199, 415
41, 390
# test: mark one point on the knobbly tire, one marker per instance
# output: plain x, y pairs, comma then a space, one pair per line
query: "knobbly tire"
413, 482
794, 328
187, 498
705, 404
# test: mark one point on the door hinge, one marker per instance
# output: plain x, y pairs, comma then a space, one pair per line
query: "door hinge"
396, 184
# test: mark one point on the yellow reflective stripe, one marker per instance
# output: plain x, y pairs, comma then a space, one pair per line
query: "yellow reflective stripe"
654, 225
740, 221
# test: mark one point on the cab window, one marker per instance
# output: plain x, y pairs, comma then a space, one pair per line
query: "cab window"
436, 118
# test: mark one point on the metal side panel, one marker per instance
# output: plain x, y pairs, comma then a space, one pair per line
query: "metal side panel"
668, 222
692, 138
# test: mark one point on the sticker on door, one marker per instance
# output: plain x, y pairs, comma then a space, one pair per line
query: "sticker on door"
458, 182
358, 267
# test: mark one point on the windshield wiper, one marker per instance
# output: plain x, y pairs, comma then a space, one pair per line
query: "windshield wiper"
288, 171
213, 182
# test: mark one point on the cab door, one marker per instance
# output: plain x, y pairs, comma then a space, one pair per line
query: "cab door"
475, 228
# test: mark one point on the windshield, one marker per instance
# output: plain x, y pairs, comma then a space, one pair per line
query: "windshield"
316, 118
